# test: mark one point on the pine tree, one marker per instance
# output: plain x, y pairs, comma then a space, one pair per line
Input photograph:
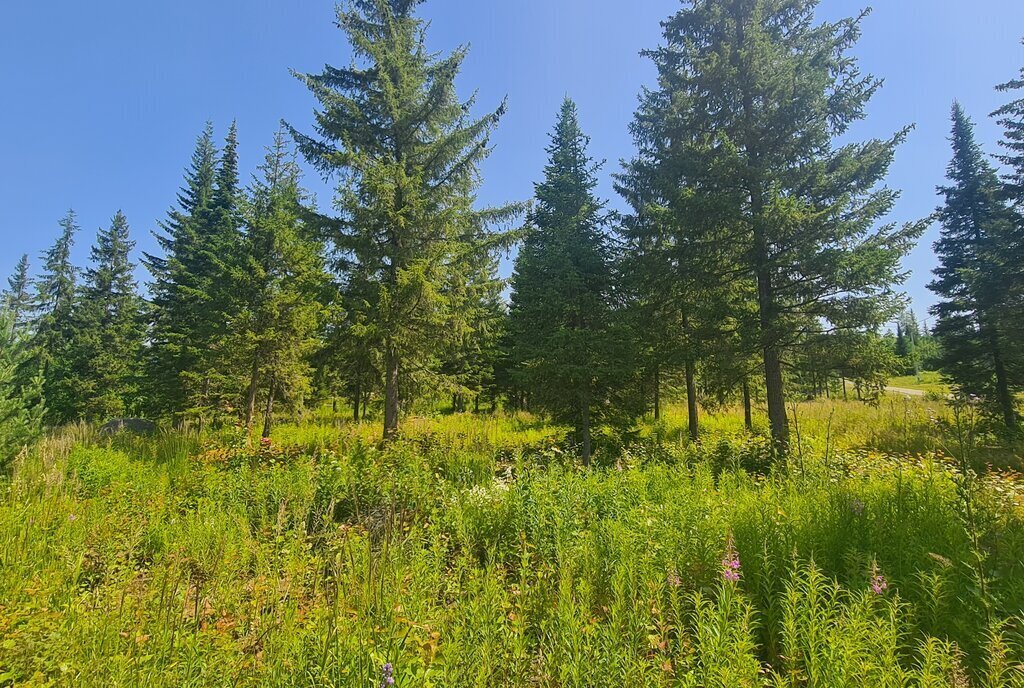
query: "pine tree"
1011, 118
21, 406
406, 153
108, 330
54, 328
193, 289
17, 300
970, 279
470, 358
561, 321
282, 283
752, 95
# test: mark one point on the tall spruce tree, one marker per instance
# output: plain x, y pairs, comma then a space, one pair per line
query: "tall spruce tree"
406, 153
971, 278
193, 289
281, 283
1011, 118
561, 319
108, 328
751, 97
17, 299
54, 327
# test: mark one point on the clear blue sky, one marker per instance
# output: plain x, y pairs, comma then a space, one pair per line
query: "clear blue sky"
102, 101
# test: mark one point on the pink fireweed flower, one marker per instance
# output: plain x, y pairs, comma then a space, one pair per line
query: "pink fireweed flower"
731, 563
878, 583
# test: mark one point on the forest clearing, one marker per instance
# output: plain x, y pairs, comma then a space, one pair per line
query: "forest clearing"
364, 421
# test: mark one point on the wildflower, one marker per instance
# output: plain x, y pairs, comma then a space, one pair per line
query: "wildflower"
878, 583
387, 676
674, 580
731, 563
857, 507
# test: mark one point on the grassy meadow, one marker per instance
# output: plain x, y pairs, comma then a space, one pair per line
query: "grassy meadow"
477, 552
928, 381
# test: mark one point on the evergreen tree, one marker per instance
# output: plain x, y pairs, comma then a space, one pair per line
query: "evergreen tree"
561, 323
471, 356
406, 154
971, 277
108, 332
194, 287
902, 346
21, 406
54, 327
741, 130
282, 282
17, 300
1011, 118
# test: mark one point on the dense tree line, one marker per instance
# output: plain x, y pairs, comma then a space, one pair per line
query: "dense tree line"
754, 265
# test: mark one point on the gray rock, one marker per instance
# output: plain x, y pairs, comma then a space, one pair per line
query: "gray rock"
136, 426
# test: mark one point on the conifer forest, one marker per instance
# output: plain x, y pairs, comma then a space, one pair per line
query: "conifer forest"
696, 437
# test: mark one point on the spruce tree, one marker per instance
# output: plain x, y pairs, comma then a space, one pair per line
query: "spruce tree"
54, 327
282, 283
1011, 118
108, 330
469, 360
561, 321
971, 278
742, 129
406, 153
193, 289
17, 300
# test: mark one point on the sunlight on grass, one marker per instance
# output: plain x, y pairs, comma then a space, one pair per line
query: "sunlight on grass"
476, 552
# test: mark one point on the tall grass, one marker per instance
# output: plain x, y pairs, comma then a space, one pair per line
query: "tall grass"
477, 553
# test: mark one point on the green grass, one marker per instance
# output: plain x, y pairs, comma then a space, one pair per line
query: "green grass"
929, 381
476, 552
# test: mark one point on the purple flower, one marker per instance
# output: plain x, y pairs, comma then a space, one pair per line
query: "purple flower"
387, 676
731, 563
879, 584
857, 507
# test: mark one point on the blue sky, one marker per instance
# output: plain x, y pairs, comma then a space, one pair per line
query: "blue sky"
102, 101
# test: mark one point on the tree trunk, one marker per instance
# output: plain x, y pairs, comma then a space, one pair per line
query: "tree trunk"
774, 389
691, 401
657, 393
268, 414
390, 392
1003, 394
356, 398
748, 415
250, 400
845, 396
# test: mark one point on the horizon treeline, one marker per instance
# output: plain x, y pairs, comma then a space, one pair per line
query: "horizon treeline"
755, 264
